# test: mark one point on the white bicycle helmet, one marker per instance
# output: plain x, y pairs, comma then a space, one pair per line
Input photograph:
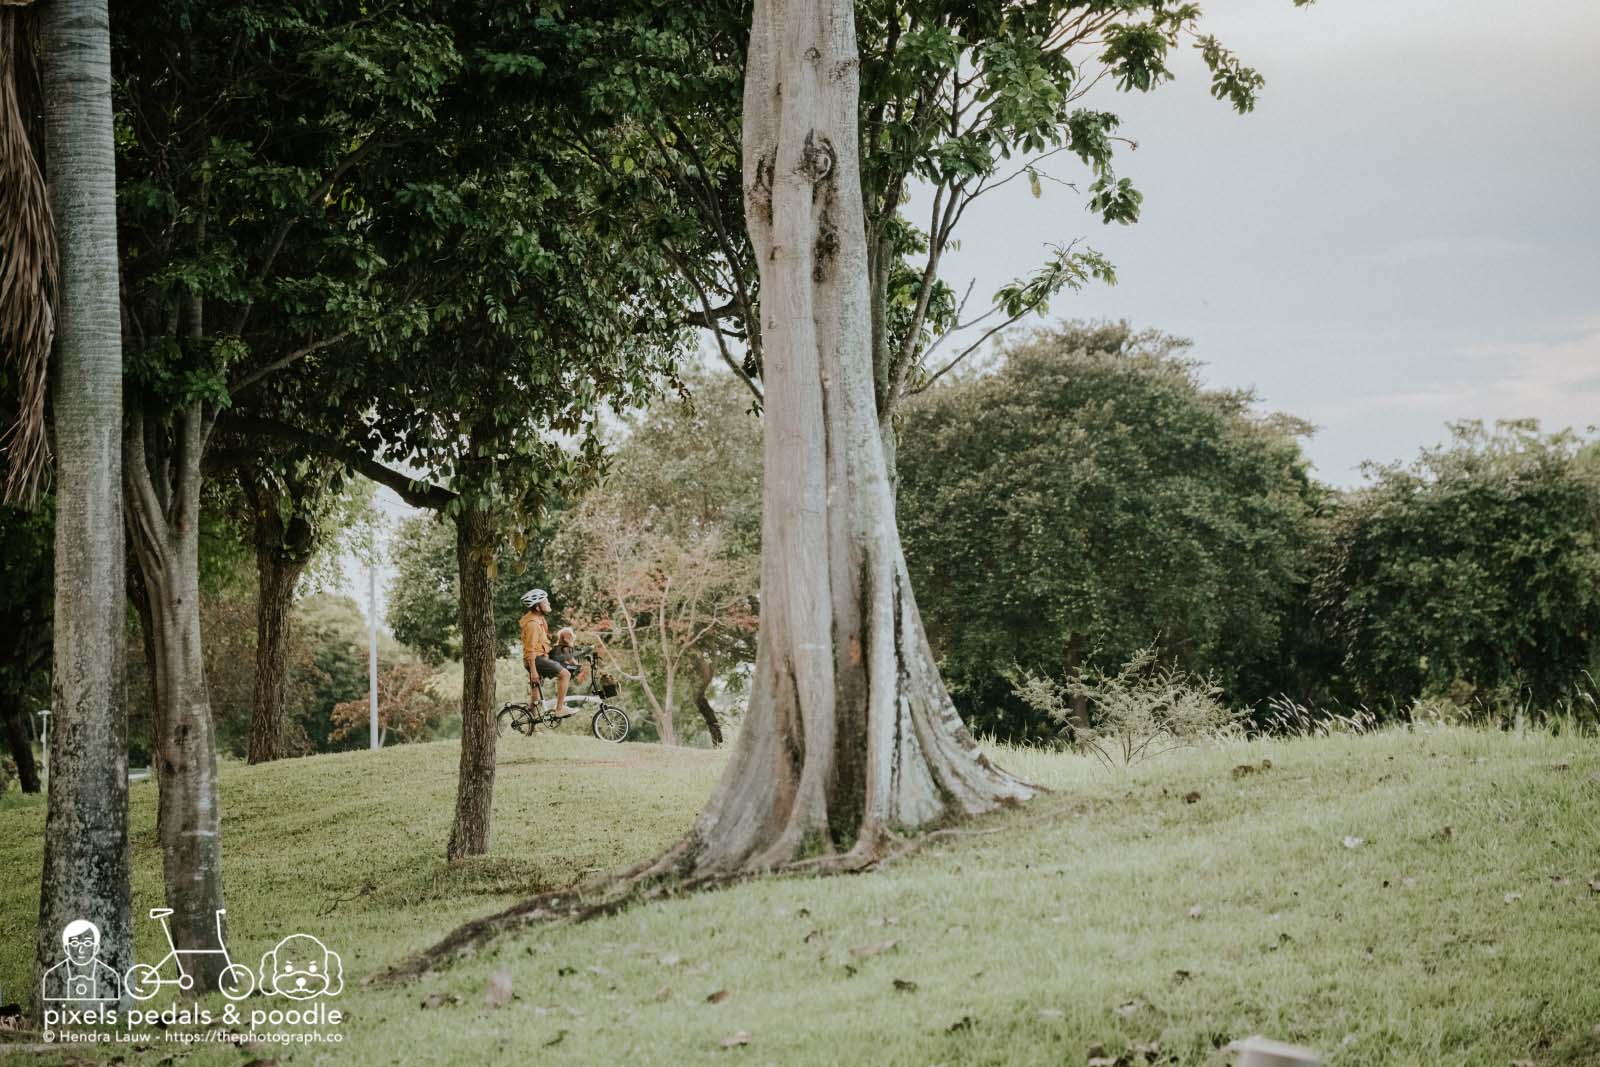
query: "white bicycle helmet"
533, 596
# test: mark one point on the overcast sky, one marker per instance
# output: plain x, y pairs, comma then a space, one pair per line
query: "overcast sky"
1404, 232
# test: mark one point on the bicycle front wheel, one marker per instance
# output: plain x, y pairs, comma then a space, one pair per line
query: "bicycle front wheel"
611, 724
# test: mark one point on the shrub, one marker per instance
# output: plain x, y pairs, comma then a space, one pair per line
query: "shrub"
1146, 708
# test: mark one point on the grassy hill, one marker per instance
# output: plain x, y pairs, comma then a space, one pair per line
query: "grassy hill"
1404, 898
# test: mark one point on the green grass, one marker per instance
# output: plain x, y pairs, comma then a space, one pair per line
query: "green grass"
1022, 943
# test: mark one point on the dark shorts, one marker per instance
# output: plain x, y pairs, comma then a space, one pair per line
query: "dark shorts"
547, 667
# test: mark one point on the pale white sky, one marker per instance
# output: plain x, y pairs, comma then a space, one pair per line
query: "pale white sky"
1404, 232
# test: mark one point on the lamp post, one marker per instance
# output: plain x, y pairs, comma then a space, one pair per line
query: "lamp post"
44, 717
372, 645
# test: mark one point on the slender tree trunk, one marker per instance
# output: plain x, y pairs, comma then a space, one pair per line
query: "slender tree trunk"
850, 733
475, 784
277, 572
165, 527
86, 871
18, 743
702, 702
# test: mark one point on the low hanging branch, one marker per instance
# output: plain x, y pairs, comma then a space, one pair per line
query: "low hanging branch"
29, 273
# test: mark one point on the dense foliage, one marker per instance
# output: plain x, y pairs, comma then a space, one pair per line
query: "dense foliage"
1089, 498
1471, 575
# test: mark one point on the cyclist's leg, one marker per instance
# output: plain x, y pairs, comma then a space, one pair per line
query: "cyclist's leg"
562, 680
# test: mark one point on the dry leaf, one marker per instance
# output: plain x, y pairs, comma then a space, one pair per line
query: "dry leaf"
498, 992
1181, 976
1512, 898
964, 1023
807, 939
1354, 842
1562, 764
1196, 911
439, 1000
886, 920
1128, 1009
561, 1035
1594, 885
1243, 769
663, 993
1192, 797
740, 1038
905, 985
1444, 834
865, 952
718, 997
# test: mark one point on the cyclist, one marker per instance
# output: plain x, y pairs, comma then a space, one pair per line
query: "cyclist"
536, 650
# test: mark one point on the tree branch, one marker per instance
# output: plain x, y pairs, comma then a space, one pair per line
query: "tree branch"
417, 493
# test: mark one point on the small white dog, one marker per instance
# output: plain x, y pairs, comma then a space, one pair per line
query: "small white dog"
301, 967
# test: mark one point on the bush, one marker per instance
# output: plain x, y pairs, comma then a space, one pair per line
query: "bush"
1145, 709
1088, 493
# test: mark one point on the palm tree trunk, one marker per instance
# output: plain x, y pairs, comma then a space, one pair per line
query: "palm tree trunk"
86, 869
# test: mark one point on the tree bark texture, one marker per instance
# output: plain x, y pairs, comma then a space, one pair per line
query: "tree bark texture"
475, 784
163, 516
282, 551
850, 735
86, 871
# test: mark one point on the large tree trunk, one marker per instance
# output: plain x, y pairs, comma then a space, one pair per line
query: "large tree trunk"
86, 872
475, 783
163, 513
18, 743
850, 733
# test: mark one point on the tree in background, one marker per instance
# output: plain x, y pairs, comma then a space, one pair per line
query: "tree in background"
1088, 498
662, 556
27, 539
1472, 574
86, 864
408, 706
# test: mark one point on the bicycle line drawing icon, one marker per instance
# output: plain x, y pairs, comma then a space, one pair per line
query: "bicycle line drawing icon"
145, 980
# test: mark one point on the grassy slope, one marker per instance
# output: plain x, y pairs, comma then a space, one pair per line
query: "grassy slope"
1403, 950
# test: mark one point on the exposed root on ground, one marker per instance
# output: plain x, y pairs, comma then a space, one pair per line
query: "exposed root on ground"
668, 875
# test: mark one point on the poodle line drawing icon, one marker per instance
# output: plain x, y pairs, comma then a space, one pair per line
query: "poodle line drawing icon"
301, 967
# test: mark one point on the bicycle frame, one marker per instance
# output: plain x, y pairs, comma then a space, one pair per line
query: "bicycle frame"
149, 976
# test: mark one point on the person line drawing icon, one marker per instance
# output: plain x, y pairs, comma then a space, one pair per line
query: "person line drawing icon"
81, 976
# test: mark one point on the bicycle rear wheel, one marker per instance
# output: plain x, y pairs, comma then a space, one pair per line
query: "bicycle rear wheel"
611, 724
515, 716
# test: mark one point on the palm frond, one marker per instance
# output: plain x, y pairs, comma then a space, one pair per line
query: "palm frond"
28, 276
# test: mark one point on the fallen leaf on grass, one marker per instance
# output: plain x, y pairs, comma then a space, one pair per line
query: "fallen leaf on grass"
740, 1038
866, 952
439, 1000
718, 997
663, 993
1594, 885
1512, 898
1354, 842
1560, 881
1444, 834
1051, 1015
884, 920
966, 1022
497, 993
1128, 1009
904, 985
1244, 769
561, 1035
1562, 764
1196, 911
1192, 797
1181, 976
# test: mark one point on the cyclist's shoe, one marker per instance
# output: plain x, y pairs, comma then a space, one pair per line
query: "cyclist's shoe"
569, 713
